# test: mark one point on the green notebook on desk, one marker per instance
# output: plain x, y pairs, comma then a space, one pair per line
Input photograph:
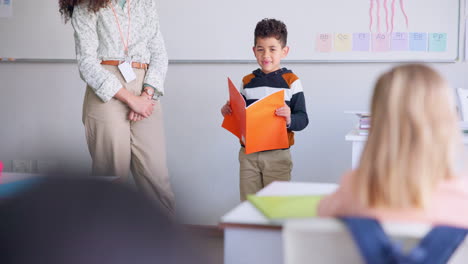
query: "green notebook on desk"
280, 207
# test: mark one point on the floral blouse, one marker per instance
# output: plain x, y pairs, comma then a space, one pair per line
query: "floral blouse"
97, 38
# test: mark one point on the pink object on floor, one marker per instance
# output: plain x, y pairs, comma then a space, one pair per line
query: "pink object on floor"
1, 169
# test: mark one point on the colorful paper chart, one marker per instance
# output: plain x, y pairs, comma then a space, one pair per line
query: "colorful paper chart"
323, 42
418, 41
361, 42
343, 42
399, 41
437, 42
380, 42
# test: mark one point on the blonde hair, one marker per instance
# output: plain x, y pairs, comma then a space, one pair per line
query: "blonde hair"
412, 140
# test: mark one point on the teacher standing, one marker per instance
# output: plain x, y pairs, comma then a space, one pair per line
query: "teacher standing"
122, 58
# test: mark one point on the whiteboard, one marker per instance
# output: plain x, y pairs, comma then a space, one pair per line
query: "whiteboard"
219, 30
223, 30
36, 31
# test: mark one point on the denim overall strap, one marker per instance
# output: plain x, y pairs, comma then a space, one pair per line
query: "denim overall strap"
373, 243
440, 243
376, 247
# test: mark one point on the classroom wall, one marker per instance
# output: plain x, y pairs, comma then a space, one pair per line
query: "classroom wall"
40, 117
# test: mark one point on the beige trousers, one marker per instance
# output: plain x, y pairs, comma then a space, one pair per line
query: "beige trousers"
118, 145
259, 169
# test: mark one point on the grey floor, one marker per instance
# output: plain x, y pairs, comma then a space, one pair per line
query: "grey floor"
210, 240
215, 247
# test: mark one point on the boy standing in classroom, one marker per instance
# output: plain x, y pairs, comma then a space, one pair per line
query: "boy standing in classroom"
259, 169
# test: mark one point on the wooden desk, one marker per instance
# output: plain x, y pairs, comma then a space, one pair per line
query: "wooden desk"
250, 238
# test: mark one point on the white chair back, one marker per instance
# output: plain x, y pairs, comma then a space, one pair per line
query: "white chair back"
327, 241
462, 95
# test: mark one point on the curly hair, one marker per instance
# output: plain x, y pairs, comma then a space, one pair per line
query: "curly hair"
270, 27
66, 6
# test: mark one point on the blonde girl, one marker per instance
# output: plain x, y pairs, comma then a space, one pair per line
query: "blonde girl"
407, 169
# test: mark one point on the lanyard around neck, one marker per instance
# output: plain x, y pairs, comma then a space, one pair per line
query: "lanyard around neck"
120, 30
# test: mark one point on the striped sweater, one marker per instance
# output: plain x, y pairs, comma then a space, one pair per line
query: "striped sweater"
258, 84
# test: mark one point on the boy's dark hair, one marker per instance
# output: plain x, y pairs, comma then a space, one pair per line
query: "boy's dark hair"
270, 27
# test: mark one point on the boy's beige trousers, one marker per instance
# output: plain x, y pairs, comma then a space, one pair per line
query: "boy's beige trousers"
118, 145
259, 169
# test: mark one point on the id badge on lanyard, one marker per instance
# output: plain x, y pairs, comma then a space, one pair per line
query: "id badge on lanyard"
125, 67
127, 71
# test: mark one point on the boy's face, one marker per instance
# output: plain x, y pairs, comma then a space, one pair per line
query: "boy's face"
269, 53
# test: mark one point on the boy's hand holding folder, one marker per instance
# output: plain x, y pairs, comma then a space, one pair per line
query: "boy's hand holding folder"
257, 126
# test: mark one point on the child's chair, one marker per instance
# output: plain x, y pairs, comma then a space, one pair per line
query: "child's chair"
462, 95
327, 240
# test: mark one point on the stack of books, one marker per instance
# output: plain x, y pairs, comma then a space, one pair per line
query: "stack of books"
363, 125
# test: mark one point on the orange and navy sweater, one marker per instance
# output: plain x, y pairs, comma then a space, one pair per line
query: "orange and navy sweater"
258, 84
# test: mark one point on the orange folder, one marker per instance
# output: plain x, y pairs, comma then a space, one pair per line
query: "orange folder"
257, 126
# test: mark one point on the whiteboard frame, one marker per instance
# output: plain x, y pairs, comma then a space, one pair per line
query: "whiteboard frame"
245, 61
